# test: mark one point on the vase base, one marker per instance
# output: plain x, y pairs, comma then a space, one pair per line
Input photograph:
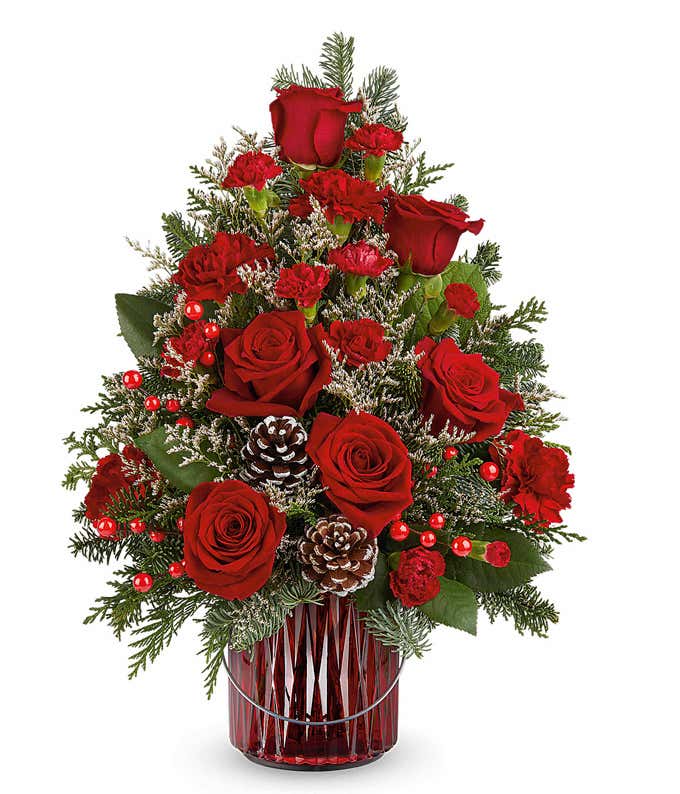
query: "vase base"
304, 765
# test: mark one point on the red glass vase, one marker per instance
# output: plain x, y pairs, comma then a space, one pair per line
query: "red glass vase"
330, 683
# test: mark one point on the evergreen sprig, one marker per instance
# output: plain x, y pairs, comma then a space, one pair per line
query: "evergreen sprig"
524, 605
406, 630
337, 62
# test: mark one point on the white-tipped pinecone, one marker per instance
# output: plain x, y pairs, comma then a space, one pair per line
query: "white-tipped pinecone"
338, 557
275, 452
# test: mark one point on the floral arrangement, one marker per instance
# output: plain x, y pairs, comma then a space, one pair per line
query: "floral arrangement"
325, 400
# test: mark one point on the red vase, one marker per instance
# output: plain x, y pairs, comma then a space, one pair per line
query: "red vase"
318, 672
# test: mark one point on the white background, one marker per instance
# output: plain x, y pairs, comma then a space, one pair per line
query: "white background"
560, 117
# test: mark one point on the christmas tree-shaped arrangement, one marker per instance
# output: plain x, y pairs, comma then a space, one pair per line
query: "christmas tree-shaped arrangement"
329, 440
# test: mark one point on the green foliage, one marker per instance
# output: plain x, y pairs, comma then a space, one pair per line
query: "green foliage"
394, 625
380, 89
487, 257
135, 317
415, 174
337, 62
455, 605
181, 235
156, 446
524, 605
377, 592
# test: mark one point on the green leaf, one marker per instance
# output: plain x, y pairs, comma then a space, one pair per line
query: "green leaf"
135, 317
377, 592
455, 606
184, 477
525, 563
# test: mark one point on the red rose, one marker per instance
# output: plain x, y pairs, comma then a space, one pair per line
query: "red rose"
416, 580
276, 365
189, 346
309, 124
343, 195
252, 169
462, 299
303, 283
208, 272
359, 259
231, 534
364, 467
426, 231
375, 139
109, 479
461, 389
299, 206
359, 341
536, 478
497, 554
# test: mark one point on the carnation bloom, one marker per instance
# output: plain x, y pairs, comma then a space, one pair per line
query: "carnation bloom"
303, 283
208, 272
188, 347
359, 341
359, 259
344, 196
251, 169
536, 478
497, 553
299, 206
416, 580
375, 139
462, 299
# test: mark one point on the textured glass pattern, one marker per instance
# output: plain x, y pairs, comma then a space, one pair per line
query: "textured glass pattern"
322, 665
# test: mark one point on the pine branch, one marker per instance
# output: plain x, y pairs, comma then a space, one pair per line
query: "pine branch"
524, 605
394, 625
380, 90
337, 62
181, 235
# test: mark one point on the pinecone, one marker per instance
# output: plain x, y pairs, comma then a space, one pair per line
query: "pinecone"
275, 452
338, 557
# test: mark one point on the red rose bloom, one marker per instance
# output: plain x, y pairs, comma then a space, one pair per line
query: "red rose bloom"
416, 580
303, 283
276, 365
231, 534
497, 554
343, 195
426, 231
309, 124
189, 346
462, 299
375, 139
360, 259
364, 467
359, 341
536, 478
299, 206
252, 169
208, 272
109, 479
461, 389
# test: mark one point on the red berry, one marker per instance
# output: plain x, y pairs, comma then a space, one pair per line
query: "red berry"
156, 535
172, 405
143, 582
428, 538
437, 521
193, 310
431, 471
152, 403
180, 524
461, 546
175, 569
211, 330
399, 530
106, 527
489, 471
132, 379
185, 421
207, 358
450, 453
137, 526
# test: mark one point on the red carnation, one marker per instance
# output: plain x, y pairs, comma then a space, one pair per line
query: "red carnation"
309, 124
359, 259
303, 283
189, 346
109, 479
416, 580
208, 272
342, 195
364, 466
536, 478
275, 365
375, 139
497, 554
461, 389
462, 299
252, 169
426, 232
299, 206
359, 341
